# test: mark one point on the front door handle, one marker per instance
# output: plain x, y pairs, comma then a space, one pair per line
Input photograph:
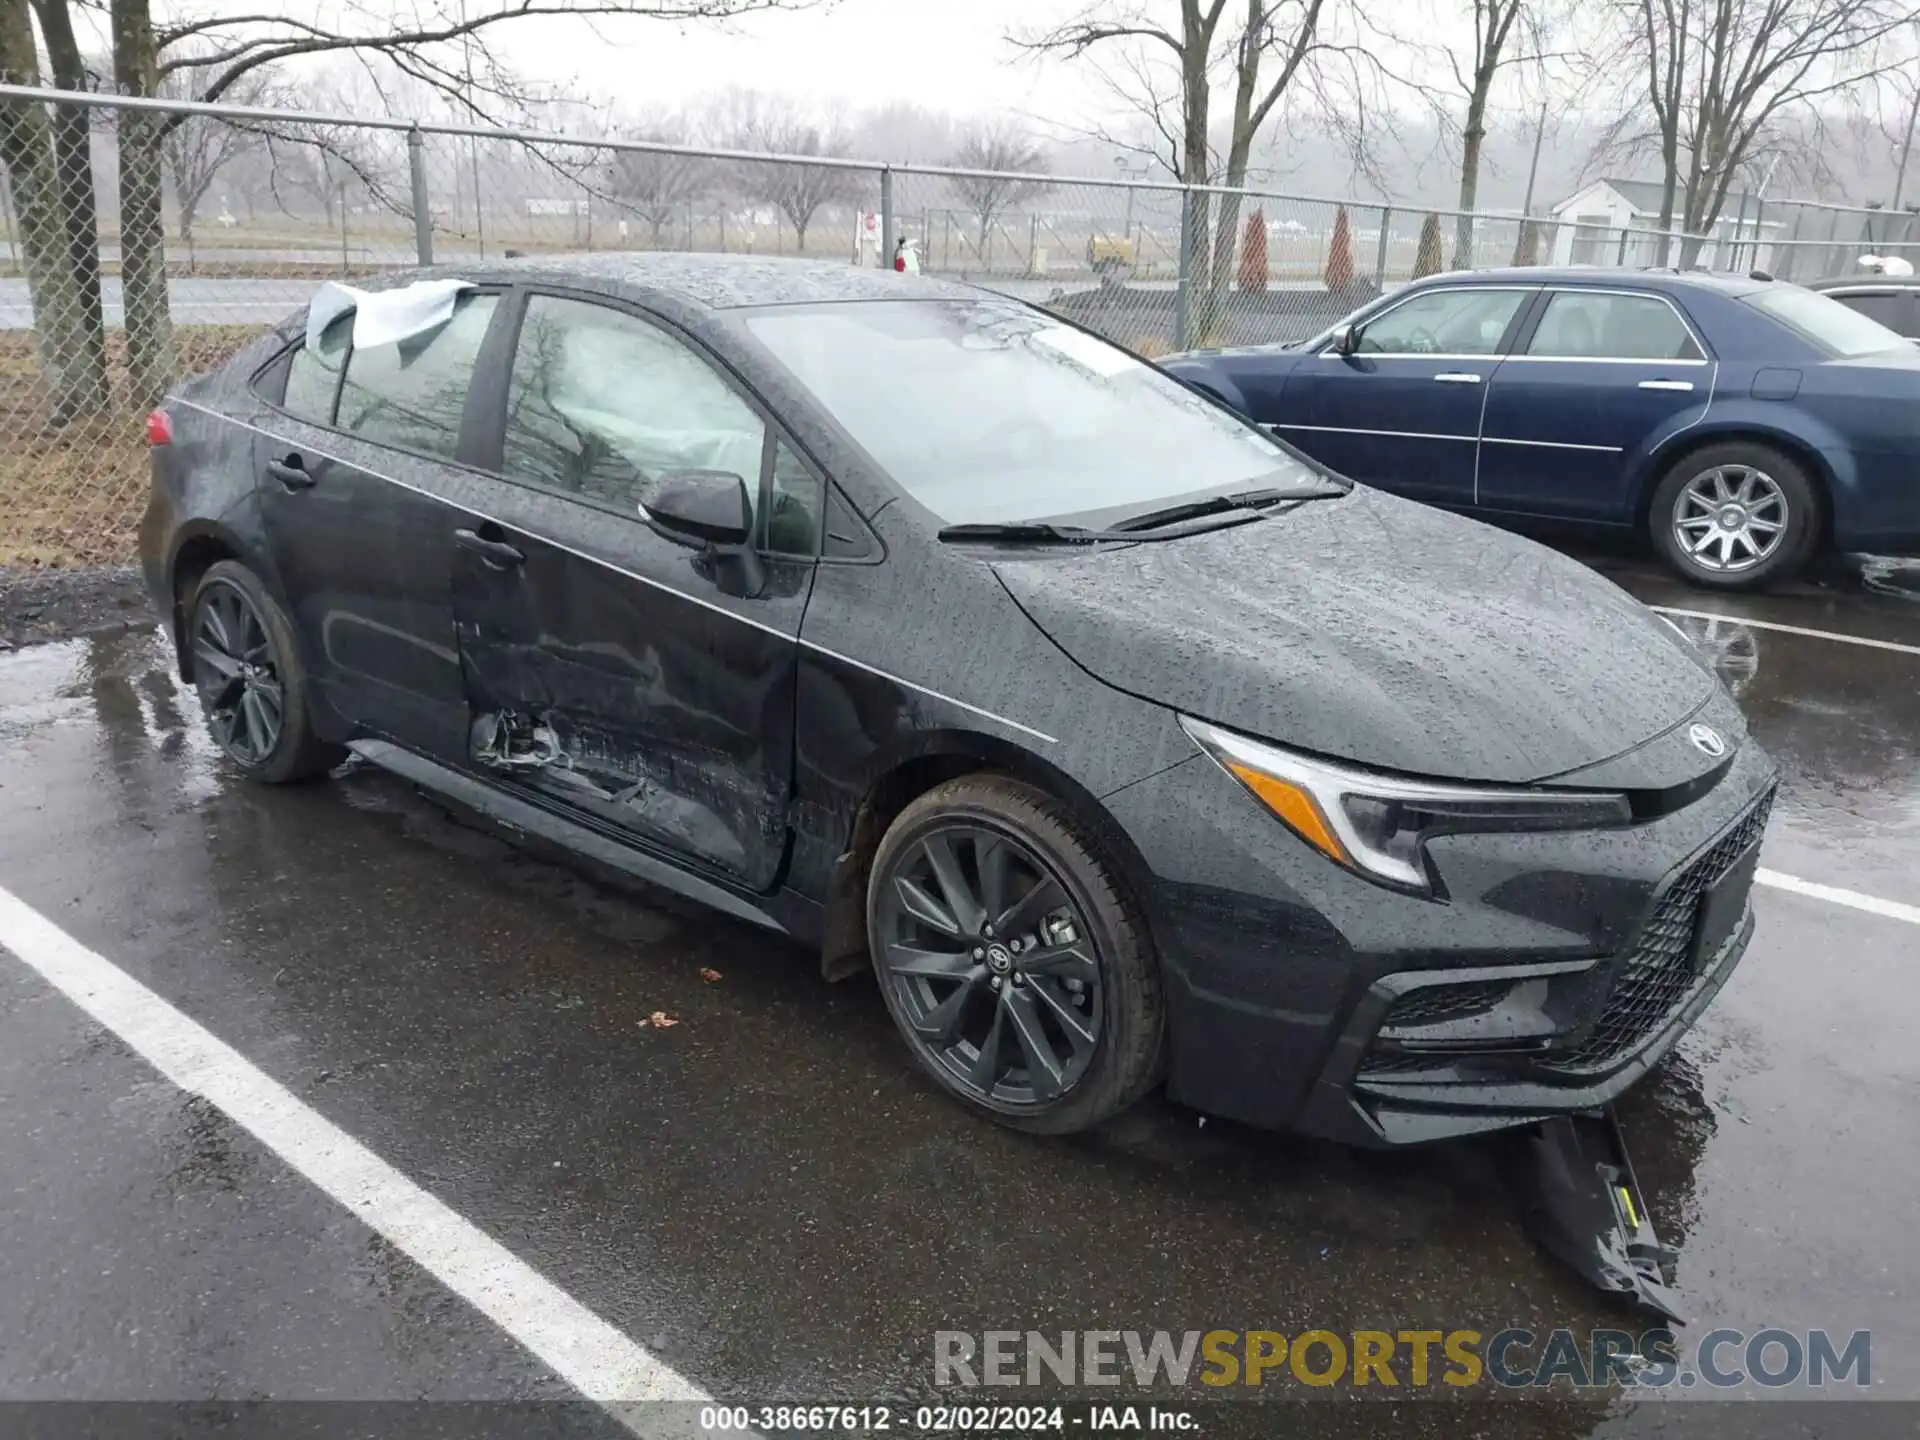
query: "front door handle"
497, 553
291, 472
1458, 377
1684, 385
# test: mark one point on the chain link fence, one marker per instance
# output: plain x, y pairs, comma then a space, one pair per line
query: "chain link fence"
142, 241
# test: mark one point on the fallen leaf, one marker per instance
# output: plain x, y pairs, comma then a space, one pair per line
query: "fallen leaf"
660, 1020
709, 974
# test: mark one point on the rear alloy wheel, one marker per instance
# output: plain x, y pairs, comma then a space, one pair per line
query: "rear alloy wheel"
249, 679
1735, 516
1013, 965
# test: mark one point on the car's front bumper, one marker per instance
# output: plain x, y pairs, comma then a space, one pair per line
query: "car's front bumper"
1556, 974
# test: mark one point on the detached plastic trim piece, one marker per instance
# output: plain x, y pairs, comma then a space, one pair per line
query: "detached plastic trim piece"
1584, 1206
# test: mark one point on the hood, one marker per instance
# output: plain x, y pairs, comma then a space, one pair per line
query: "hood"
1375, 630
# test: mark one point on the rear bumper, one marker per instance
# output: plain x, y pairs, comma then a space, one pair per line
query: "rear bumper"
1552, 980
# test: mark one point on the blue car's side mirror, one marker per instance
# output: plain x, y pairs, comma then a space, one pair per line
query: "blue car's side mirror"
1346, 339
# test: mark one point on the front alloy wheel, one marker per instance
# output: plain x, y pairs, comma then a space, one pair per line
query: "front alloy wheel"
1012, 957
992, 965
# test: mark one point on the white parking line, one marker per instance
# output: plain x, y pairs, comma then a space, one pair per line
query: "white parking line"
584, 1350
1790, 629
1834, 895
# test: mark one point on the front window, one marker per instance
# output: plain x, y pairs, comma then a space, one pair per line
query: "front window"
1826, 323
1442, 322
986, 411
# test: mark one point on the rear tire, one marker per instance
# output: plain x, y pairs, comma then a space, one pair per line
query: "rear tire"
1047, 1015
1735, 516
252, 687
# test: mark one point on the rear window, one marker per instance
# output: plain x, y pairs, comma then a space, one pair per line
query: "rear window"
1824, 322
413, 392
313, 375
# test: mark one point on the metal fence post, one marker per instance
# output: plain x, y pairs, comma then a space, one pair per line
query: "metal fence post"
1620, 255
884, 251
1183, 285
1380, 251
422, 216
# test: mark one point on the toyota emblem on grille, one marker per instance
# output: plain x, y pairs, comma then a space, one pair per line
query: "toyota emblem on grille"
1707, 740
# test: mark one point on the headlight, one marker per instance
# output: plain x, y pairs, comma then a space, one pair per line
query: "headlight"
1377, 825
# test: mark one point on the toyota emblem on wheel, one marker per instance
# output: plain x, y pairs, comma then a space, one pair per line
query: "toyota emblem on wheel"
1707, 740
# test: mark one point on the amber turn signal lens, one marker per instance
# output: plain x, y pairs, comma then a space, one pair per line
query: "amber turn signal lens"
1293, 805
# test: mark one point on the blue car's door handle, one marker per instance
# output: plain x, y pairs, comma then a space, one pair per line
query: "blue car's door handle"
1458, 377
1666, 385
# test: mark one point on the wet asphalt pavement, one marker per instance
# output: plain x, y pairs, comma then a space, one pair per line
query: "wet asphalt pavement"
765, 1195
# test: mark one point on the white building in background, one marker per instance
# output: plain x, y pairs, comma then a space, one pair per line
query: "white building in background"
1588, 225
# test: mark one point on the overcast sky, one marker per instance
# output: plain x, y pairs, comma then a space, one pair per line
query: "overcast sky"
944, 54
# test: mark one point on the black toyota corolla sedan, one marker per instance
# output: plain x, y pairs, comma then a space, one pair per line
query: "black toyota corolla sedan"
908, 621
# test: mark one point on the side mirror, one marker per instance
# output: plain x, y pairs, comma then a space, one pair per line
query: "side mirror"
1346, 339
708, 511
700, 507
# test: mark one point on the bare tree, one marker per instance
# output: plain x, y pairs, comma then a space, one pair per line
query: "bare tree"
1724, 79
658, 186
444, 45
1495, 23
797, 191
200, 146
1006, 157
1165, 55
76, 384
73, 169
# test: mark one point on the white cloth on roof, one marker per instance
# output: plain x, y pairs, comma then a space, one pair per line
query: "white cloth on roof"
381, 317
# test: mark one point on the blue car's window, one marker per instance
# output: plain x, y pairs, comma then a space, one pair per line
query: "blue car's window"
1826, 323
1593, 325
989, 411
1443, 322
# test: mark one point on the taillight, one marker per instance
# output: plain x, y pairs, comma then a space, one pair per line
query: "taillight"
159, 428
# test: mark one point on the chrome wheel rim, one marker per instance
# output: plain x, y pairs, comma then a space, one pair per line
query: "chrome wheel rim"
1730, 518
991, 964
237, 675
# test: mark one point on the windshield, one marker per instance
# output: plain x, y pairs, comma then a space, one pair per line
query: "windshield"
1827, 323
985, 411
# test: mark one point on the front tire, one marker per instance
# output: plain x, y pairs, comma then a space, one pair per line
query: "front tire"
247, 671
1735, 516
1011, 958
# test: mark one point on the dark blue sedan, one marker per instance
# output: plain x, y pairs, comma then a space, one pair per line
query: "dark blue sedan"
1742, 424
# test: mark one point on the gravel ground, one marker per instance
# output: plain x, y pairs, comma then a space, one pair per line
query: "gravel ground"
40, 605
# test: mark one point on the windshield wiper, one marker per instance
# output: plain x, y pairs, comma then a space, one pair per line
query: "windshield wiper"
1215, 505
1037, 532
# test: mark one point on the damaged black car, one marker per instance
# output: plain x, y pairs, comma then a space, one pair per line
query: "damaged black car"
1121, 742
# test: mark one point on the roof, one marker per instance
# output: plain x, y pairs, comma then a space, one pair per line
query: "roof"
1644, 196
1576, 275
719, 282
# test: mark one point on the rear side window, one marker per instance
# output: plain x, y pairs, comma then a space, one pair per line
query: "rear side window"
602, 404
313, 375
1585, 325
412, 393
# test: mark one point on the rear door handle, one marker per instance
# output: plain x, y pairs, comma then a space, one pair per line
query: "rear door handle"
497, 553
1685, 385
291, 472
1458, 377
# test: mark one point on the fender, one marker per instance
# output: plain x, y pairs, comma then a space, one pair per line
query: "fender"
1209, 380
1790, 428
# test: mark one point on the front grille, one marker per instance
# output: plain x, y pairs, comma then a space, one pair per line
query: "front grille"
1429, 1004
1658, 974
